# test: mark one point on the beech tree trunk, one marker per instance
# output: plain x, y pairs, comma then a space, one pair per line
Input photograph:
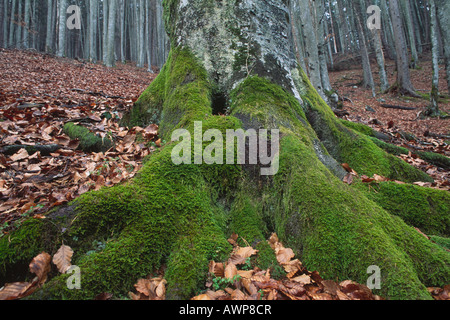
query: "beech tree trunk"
443, 13
433, 109
62, 28
232, 66
404, 84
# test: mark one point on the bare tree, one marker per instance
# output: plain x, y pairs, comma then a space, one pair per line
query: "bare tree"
62, 28
403, 84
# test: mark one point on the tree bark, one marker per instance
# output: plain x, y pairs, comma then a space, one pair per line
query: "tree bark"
93, 24
62, 28
240, 58
27, 24
110, 58
404, 84
433, 109
311, 45
443, 12
368, 81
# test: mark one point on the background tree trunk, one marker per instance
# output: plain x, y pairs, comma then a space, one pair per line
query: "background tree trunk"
443, 12
404, 84
433, 109
62, 28
110, 58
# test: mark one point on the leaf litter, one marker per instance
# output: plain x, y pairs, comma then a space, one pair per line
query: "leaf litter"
39, 94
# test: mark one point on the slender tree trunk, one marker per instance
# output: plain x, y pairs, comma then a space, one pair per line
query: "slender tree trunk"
384, 82
141, 34
3, 8
111, 33
148, 37
105, 30
368, 81
406, 9
27, 24
433, 109
403, 84
93, 21
62, 28
19, 18
50, 27
122, 30
388, 30
311, 45
322, 36
5, 23
443, 12
12, 24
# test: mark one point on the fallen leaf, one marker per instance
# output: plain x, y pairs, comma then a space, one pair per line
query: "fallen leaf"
40, 266
62, 259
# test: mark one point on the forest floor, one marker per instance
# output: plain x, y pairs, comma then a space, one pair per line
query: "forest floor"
40, 93
357, 100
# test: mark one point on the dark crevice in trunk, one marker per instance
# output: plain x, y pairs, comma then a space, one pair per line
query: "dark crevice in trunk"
219, 102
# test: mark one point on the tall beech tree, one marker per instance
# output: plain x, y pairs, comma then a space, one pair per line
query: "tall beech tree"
443, 13
403, 84
232, 66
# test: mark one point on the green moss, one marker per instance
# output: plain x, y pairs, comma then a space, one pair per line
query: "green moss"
425, 208
179, 95
441, 241
349, 146
246, 219
390, 148
89, 142
267, 104
266, 259
21, 244
148, 107
368, 131
435, 158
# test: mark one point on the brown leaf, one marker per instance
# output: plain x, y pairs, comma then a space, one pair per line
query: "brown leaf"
237, 259
103, 296
346, 166
246, 252
348, 179
62, 258
161, 289
22, 154
40, 266
201, 297
246, 274
330, 287
284, 255
303, 279
145, 287
238, 295
233, 239
249, 286
217, 269
13, 291
273, 240
230, 271
320, 296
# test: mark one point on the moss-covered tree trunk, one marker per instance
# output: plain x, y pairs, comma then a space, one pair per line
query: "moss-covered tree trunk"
235, 58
